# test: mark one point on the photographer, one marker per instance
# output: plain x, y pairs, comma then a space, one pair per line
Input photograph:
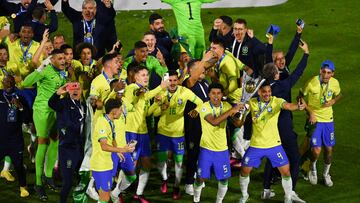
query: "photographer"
70, 113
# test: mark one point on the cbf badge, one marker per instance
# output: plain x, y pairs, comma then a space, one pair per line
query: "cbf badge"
12, 115
180, 102
329, 93
269, 109
245, 50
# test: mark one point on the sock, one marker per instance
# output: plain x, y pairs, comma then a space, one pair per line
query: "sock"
178, 173
222, 189
197, 191
237, 145
127, 181
7, 163
287, 185
91, 182
51, 157
116, 190
326, 169
162, 167
244, 183
39, 162
313, 166
143, 178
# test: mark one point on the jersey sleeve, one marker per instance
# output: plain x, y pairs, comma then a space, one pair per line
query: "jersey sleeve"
155, 64
190, 96
33, 78
129, 97
95, 89
337, 89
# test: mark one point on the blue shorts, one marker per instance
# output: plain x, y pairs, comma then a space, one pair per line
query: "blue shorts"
276, 155
103, 180
29, 94
323, 135
127, 165
174, 144
143, 146
219, 162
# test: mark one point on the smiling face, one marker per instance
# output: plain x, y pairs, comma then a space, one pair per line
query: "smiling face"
158, 25
215, 96
239, 30
325, 75
150, 41
279, 60
173, 80
25, 3
89, 10
218, 49
68, 55
141, 54
48, 48
4, 57
265, 93
8, 83
58, 60
26, 34
86, 56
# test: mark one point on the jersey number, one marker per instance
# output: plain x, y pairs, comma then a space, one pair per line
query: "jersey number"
172, 111
181, 146
190, 12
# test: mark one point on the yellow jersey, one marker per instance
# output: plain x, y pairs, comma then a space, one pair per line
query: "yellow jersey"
120, 131
101, 160
137, 108
171, 121
22, 55
213, 137
265, 122
316, 94
10, 67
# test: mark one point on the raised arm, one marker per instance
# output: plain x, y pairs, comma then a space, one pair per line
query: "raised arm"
72, 14
293, 47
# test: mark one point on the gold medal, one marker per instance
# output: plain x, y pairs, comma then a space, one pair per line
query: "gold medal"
254, 119
13, 15
88, 35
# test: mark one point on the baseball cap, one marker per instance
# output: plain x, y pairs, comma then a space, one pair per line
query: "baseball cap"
328, 64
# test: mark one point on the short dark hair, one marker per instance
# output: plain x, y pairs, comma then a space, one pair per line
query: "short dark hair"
27, 24
140, 44
140, 68
269, 71
65, 46
173, 72
149, 33
241, 21
113, 82
153, 17
108, 57
215, 86
192, 62
38, 12
112, 104
219, 41
57, 51
227, 20
131, 67
4, 46
266, 83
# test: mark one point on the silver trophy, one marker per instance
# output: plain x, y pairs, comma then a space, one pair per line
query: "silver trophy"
250, 86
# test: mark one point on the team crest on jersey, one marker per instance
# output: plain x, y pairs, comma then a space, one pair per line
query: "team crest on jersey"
203, 109
180, 102
269, 109
245, 50
329, 93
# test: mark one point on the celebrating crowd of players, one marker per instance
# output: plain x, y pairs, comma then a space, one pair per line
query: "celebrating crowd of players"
97, 115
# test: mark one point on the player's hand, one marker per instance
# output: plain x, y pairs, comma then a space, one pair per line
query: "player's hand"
217, 23
115, 46
157, 99
165, 106
121, 156
270, 38
329, 103
250, 33
164, 84
48, 5
119, 86
304, 47
312, 118
299, 29
62, 90
129, 148
45, 36
160, 57
209, 59
99, 104
193, 113
140, 91
301, 103
17, 103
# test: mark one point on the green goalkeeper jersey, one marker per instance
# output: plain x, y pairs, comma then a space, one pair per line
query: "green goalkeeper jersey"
188, 15
48, 81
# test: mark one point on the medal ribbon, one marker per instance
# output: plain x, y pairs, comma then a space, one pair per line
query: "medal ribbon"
217, 67
106, 77
261, 109
111, 125
26, 51
11, 95
213, 109
321, 90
